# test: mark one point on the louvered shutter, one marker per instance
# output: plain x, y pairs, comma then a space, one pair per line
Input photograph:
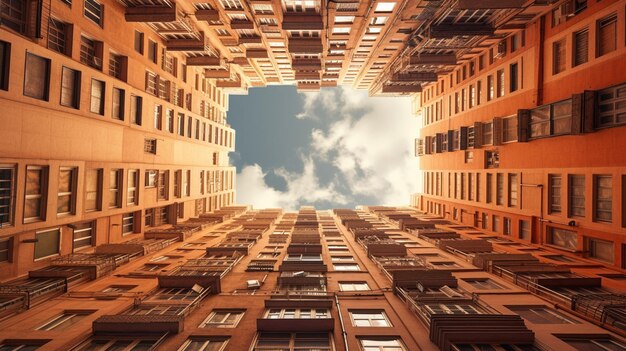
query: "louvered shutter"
523, 125
450, 140
478, 135
463, 138
497, 131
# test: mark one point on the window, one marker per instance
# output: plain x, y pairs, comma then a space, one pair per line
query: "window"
115, 184
7, 195
48, 243
139, 42
204, 343
132, 194
346, 267
117, 111
524, 230
223, 318
541, 315
593, 343
83, 235
602, 198
507, 226
97, 97
487, 133
296, 313
513, 77
513, 190
187, 183
553, 119
35, 195
117, 66
93, 195
91, 52
353, 286
451, 308
581, 47
500, 189
152, 51
606, 35
509, 129
558, 56
490, 88
94, 11
381, 344
602, 250
495, 223
66, 196
611, 109
181, 124
169, 120
293, 342
489, 185
554, 193
136, 103
118, 343
562, 238
483, 284
189, 126
576, 195
369, 318
36, 77
500, 82
151, 178
5, 61
58, 34
162, 188
6, 250
150, 146
128, 223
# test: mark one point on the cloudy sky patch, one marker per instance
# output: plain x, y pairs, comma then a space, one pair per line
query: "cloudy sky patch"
333, 148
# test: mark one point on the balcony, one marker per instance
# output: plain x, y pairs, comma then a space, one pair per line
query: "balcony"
434, 235
97, 265
256, 53
301, 278
188, 278
72, 275
299, 248
382, 247
179, 233
305, 45
308, 64
229, 248
302, 21
297, 316
30, 292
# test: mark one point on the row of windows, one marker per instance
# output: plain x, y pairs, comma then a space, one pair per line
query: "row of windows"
559, 118
468, 70
37, 178
573, 187
467, 186
605, 43
595, 248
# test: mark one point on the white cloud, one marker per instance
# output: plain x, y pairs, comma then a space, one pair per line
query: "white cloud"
302, 188
369, 143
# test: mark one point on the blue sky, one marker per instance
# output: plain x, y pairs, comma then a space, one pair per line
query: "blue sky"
337, 148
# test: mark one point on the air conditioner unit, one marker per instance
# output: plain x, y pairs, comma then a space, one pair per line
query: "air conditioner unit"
197, 288
253, 284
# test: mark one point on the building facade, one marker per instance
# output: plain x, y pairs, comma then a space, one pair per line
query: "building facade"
522, 139
375, 278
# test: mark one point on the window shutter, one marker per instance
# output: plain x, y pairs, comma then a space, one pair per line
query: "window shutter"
33, 18
577, 113
428, 143
523, 125
607, 32
497, 131
478, 134
439, 143
450, 140
589, 110
419, 147
463, 138
581, 47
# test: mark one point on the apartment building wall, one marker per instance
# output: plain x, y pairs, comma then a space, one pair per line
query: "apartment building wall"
587, 147
106, 117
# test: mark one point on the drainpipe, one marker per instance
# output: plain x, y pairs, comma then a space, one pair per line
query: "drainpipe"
344, 335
